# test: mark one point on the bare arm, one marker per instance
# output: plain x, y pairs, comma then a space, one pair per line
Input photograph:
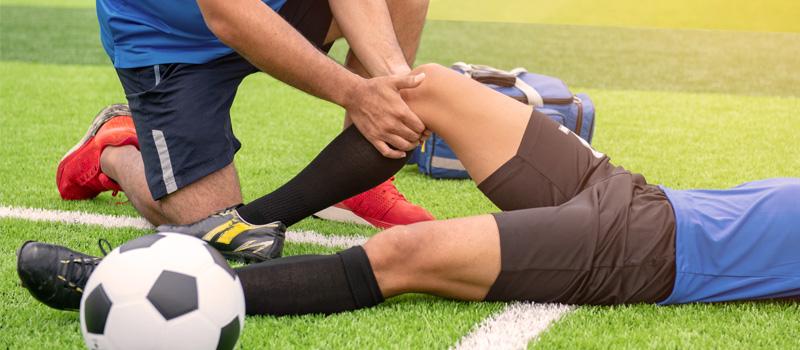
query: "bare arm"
259, 34
367, 26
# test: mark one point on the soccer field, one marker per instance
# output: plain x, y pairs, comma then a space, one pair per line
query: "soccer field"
685, 107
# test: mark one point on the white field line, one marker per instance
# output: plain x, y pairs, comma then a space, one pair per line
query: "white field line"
514, 327
112, 221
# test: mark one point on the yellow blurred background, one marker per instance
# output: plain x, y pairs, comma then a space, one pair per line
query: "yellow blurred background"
740, 15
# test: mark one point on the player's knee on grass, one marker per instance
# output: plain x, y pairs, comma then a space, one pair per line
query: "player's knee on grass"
211, 194
395, 256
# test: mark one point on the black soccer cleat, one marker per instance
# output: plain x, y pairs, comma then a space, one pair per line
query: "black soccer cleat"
235, 238
53, 274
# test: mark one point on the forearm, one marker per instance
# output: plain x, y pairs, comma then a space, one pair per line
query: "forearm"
368, 28
266, 40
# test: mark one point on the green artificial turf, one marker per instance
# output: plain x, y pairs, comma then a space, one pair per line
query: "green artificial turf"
746, 325
687, 108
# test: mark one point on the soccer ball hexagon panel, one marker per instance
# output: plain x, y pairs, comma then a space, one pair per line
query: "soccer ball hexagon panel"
163, 291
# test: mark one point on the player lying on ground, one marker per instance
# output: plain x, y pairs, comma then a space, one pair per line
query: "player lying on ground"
574, 229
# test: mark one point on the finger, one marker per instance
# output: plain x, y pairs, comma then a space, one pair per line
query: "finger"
403, 132
425, 136
387, 151
399, 143
408, 81
412, 121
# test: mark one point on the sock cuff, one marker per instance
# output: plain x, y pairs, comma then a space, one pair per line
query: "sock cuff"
360, 277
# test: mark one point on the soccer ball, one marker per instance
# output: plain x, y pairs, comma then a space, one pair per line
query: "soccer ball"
163, 291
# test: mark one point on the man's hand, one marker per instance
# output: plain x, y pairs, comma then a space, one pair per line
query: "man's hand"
378, 111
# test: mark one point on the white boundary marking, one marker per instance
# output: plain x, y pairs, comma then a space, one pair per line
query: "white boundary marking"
113, 221
312, 237
514, 327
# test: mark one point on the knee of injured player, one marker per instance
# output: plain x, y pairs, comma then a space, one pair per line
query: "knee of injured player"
428, 97
434, 75
394, 255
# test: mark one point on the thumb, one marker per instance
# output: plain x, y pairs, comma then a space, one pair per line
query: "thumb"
409, 81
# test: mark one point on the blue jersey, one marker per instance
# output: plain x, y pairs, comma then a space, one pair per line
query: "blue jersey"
148, 32
737, 244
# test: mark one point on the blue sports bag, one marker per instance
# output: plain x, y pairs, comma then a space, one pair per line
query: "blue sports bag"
546, 94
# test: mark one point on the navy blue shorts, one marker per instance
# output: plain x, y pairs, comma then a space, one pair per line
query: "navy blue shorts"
182, 111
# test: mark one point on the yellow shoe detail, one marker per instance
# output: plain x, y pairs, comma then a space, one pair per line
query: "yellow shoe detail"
233, 230
221, 228
252, 244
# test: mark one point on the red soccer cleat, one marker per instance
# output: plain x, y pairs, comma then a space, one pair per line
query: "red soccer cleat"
383, 206
78, 175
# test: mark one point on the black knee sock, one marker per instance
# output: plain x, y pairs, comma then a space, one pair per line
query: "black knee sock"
310, 284
348, 166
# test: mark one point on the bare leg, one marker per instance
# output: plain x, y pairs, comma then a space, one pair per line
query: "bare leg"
483, 127
214, 192
457, 258
125, 166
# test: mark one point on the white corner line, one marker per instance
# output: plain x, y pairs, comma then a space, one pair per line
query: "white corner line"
113, 221
514, 327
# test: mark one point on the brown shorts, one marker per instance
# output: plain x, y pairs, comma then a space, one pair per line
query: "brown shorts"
576, 229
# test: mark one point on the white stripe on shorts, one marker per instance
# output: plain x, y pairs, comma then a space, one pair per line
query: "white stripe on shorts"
166, 163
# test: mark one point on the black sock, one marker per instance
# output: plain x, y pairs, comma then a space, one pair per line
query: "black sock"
348, 166
306, 284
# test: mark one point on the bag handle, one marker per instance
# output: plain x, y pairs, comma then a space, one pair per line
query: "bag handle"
490, 75
495, 78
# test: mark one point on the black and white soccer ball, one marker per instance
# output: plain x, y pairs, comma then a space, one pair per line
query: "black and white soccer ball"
163, 291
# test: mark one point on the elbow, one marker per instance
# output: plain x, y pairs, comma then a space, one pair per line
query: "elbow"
222, 29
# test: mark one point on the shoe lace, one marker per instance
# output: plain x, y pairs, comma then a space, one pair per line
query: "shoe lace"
79, 267
389, 191
103, 243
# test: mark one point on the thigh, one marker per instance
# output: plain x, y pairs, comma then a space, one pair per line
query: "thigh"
519, 159
483, 127
551, 166
613, 243
182, 118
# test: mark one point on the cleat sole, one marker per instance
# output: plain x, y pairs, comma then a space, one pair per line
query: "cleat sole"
334, 213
